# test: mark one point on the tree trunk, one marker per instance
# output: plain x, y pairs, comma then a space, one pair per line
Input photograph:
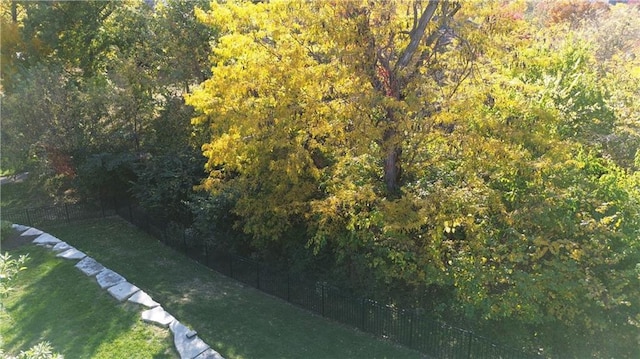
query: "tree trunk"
392, 160
393, 170
391, 79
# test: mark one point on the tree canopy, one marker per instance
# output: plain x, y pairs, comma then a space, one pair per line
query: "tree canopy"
90, 88
436, 146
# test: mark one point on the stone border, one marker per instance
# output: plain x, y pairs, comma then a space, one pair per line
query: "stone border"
186, 341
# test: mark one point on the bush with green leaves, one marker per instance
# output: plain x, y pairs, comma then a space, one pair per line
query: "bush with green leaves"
9, 269
42, 350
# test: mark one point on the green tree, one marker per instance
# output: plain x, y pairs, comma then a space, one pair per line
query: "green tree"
65, 32
92, 88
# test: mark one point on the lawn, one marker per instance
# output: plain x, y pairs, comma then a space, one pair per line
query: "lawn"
55, 302
237, 321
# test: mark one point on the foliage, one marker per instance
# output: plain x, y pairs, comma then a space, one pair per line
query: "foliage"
164, 183
41, 350
167, 176
66, 32
213, 219
479, 159
23, 193
84, 81
9, 269
106, 175
471, 165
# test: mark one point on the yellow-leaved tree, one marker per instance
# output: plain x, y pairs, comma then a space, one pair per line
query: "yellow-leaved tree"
311, 104
436, 151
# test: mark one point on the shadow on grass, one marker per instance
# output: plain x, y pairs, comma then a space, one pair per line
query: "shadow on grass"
237, 321
55, 302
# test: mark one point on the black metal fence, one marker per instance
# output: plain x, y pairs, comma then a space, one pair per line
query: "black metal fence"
41, 216
409, 327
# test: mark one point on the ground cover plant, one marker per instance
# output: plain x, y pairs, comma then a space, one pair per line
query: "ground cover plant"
237, 321
54, 302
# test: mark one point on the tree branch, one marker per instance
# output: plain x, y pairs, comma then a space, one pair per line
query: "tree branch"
416, 35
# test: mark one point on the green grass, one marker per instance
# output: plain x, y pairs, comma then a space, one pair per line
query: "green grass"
237, 321
55, 302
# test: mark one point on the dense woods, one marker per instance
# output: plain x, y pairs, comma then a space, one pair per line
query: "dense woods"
478, 159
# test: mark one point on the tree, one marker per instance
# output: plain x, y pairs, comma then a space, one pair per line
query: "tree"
89, 88
172, 164
181, 33
57, 100
360, 101
69, 33
437, 152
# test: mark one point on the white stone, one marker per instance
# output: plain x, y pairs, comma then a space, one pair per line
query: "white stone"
159, 316
143, 298
187, 347
71, 254
46, 238
108, 278
122, 291
89, 266
209, 354
32, 232
61, 247
19, 227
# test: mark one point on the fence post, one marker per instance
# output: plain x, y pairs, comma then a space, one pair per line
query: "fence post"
206, 253
184, 242
288, 287
469, 344
66, 211
258, 275
412, 317
322, 299
28, 217
363, 314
